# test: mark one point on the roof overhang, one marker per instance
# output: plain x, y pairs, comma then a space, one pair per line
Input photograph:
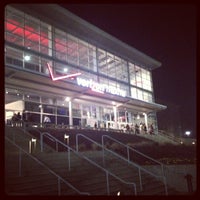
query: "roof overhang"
43, 84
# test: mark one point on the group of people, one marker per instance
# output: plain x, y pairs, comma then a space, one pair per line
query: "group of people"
140, 129
16, 120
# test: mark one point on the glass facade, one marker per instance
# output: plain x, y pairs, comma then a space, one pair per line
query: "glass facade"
27, 36
31, 43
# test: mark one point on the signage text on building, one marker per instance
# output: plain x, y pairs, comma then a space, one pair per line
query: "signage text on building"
99, 87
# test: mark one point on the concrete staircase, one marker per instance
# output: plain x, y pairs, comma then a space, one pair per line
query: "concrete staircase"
37, 180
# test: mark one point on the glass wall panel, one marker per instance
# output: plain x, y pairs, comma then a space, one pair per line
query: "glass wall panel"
31, 62
72, 50
14, 26
13, 57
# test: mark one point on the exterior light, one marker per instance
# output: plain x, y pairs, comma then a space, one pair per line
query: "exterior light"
138, 116
33, 140
32, 145
66, 136
181, 142
65, 69
187, 133
27, 57
118, 194
193, 142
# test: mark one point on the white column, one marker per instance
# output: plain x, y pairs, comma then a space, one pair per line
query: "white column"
115, 116
41, 114
70, 114
126, 116
145, 119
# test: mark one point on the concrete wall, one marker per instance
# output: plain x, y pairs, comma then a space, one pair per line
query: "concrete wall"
175, 175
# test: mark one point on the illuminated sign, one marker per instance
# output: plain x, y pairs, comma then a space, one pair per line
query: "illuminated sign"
60, 77
101, 88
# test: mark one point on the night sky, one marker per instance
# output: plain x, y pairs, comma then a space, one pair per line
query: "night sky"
166, 33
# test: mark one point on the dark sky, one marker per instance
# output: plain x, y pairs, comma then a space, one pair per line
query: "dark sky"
166, 32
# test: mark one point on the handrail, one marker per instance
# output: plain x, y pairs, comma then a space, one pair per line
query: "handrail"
128, 147
51, 171
134, 164
128, 155
92, 162
62, 126
171, 137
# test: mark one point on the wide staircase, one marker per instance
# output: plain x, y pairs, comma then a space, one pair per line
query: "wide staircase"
34, 168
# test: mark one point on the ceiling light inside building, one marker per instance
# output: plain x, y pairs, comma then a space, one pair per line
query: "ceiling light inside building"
67, 99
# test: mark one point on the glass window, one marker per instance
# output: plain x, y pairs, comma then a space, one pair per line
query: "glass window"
92, 58
14, 57
14, 26
30, 106
62, 111
72, 49
31, 62
31, 97
48, 109
83, 54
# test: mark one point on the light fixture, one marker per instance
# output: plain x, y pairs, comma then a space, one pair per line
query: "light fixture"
138, 116
66, 136
65, 70
67, 99
187, 133
27, 57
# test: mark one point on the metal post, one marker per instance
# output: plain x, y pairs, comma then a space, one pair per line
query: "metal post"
103, 152
69, 164
107, 181
77, 143
41, 142
140, 180
128, 154
56, 146
29, 147
165, 183
59, 192
20, 162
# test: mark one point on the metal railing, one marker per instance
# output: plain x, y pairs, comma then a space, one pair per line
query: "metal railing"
90, 161
46, 167
162, 178
43, 134
128, 148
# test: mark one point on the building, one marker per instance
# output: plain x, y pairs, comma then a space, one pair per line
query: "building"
60, 66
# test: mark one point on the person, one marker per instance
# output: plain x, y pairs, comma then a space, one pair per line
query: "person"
95, 125
127, 128
14, 119
19, 119
47, 119
145, 129
137, 131
151, 129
